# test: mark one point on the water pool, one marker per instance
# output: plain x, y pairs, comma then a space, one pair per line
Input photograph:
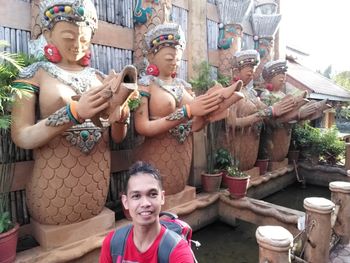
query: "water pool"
222, 243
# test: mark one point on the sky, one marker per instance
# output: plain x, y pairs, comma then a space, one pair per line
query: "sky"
320, 28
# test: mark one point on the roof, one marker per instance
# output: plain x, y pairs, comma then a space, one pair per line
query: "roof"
318, 86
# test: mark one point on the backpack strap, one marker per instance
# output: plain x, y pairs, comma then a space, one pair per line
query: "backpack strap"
169, 241
118, 243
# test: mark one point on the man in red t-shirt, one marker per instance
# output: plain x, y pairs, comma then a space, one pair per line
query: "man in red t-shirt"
144, 198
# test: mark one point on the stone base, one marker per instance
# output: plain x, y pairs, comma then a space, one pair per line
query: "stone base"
254, 172
53, 236
278, 165
186, 195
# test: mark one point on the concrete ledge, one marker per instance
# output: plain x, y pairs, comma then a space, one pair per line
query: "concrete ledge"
54, 236
321, 175
270, 183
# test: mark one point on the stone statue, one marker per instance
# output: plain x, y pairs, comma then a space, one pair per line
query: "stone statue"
169, 112
70, 179
247, 115
277, 133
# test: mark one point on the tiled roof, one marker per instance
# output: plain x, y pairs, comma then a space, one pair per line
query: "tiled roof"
320, 86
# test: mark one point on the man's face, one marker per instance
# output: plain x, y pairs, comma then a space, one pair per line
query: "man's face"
143, 199
246, 74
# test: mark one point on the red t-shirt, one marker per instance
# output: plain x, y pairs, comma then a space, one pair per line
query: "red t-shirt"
181, 254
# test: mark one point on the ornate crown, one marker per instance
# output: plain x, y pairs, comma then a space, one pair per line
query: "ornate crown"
164, 35
274, 68
245, 58
80, 12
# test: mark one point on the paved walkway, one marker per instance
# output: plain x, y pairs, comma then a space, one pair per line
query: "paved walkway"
341, 254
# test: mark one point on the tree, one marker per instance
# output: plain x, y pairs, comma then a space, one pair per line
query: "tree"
343, 79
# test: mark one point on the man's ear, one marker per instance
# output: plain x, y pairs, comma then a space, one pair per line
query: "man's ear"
124, 201
150, 57
162, 197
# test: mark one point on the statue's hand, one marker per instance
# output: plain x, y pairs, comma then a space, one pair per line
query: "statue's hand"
230, 96
283, 106
204, 104
313, 110
92, 102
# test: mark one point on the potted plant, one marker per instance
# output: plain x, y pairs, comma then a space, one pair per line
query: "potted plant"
9, 68
8, 229
211, 180
263, 160
237, 182
223, 160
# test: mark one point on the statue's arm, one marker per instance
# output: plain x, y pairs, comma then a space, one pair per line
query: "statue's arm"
25, 132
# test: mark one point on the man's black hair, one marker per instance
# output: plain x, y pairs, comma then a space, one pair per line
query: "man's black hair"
141, 167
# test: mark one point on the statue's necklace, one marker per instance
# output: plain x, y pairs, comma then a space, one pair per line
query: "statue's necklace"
174, 88
78, 81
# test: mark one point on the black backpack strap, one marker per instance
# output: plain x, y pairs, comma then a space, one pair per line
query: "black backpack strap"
169, 241
118, 242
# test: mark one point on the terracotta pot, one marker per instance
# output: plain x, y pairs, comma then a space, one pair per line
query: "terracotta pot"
262, 164
237, 186
224, 180
293, 155
8, 244
211, 182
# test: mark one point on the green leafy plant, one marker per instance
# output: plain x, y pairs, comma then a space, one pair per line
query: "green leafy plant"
233, 171
203, 81
9, 68
333, 149
223, 159
11, 64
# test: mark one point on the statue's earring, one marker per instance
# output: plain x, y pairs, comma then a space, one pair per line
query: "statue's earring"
52, 54
152, 70
269, 86
85, 60
173, 75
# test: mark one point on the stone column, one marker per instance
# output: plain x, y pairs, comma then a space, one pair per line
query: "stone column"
147, 14
318, 228
275, 243
197, 52
232, 13
341, 197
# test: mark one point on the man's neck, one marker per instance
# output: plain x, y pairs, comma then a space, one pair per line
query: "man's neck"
144, 236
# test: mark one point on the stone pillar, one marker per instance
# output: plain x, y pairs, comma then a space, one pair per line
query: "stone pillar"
341, 197
147, 14
275, 243
318, 228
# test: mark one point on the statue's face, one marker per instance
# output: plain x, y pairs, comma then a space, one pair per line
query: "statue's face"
167, 59
71, 40
278, 81
246, 74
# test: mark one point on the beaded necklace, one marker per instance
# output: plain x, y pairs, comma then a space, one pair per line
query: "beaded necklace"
78, 81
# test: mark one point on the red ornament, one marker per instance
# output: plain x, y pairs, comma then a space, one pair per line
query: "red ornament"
173, 75
152, 70
85, 60
235, 79
269, 87
52, 54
